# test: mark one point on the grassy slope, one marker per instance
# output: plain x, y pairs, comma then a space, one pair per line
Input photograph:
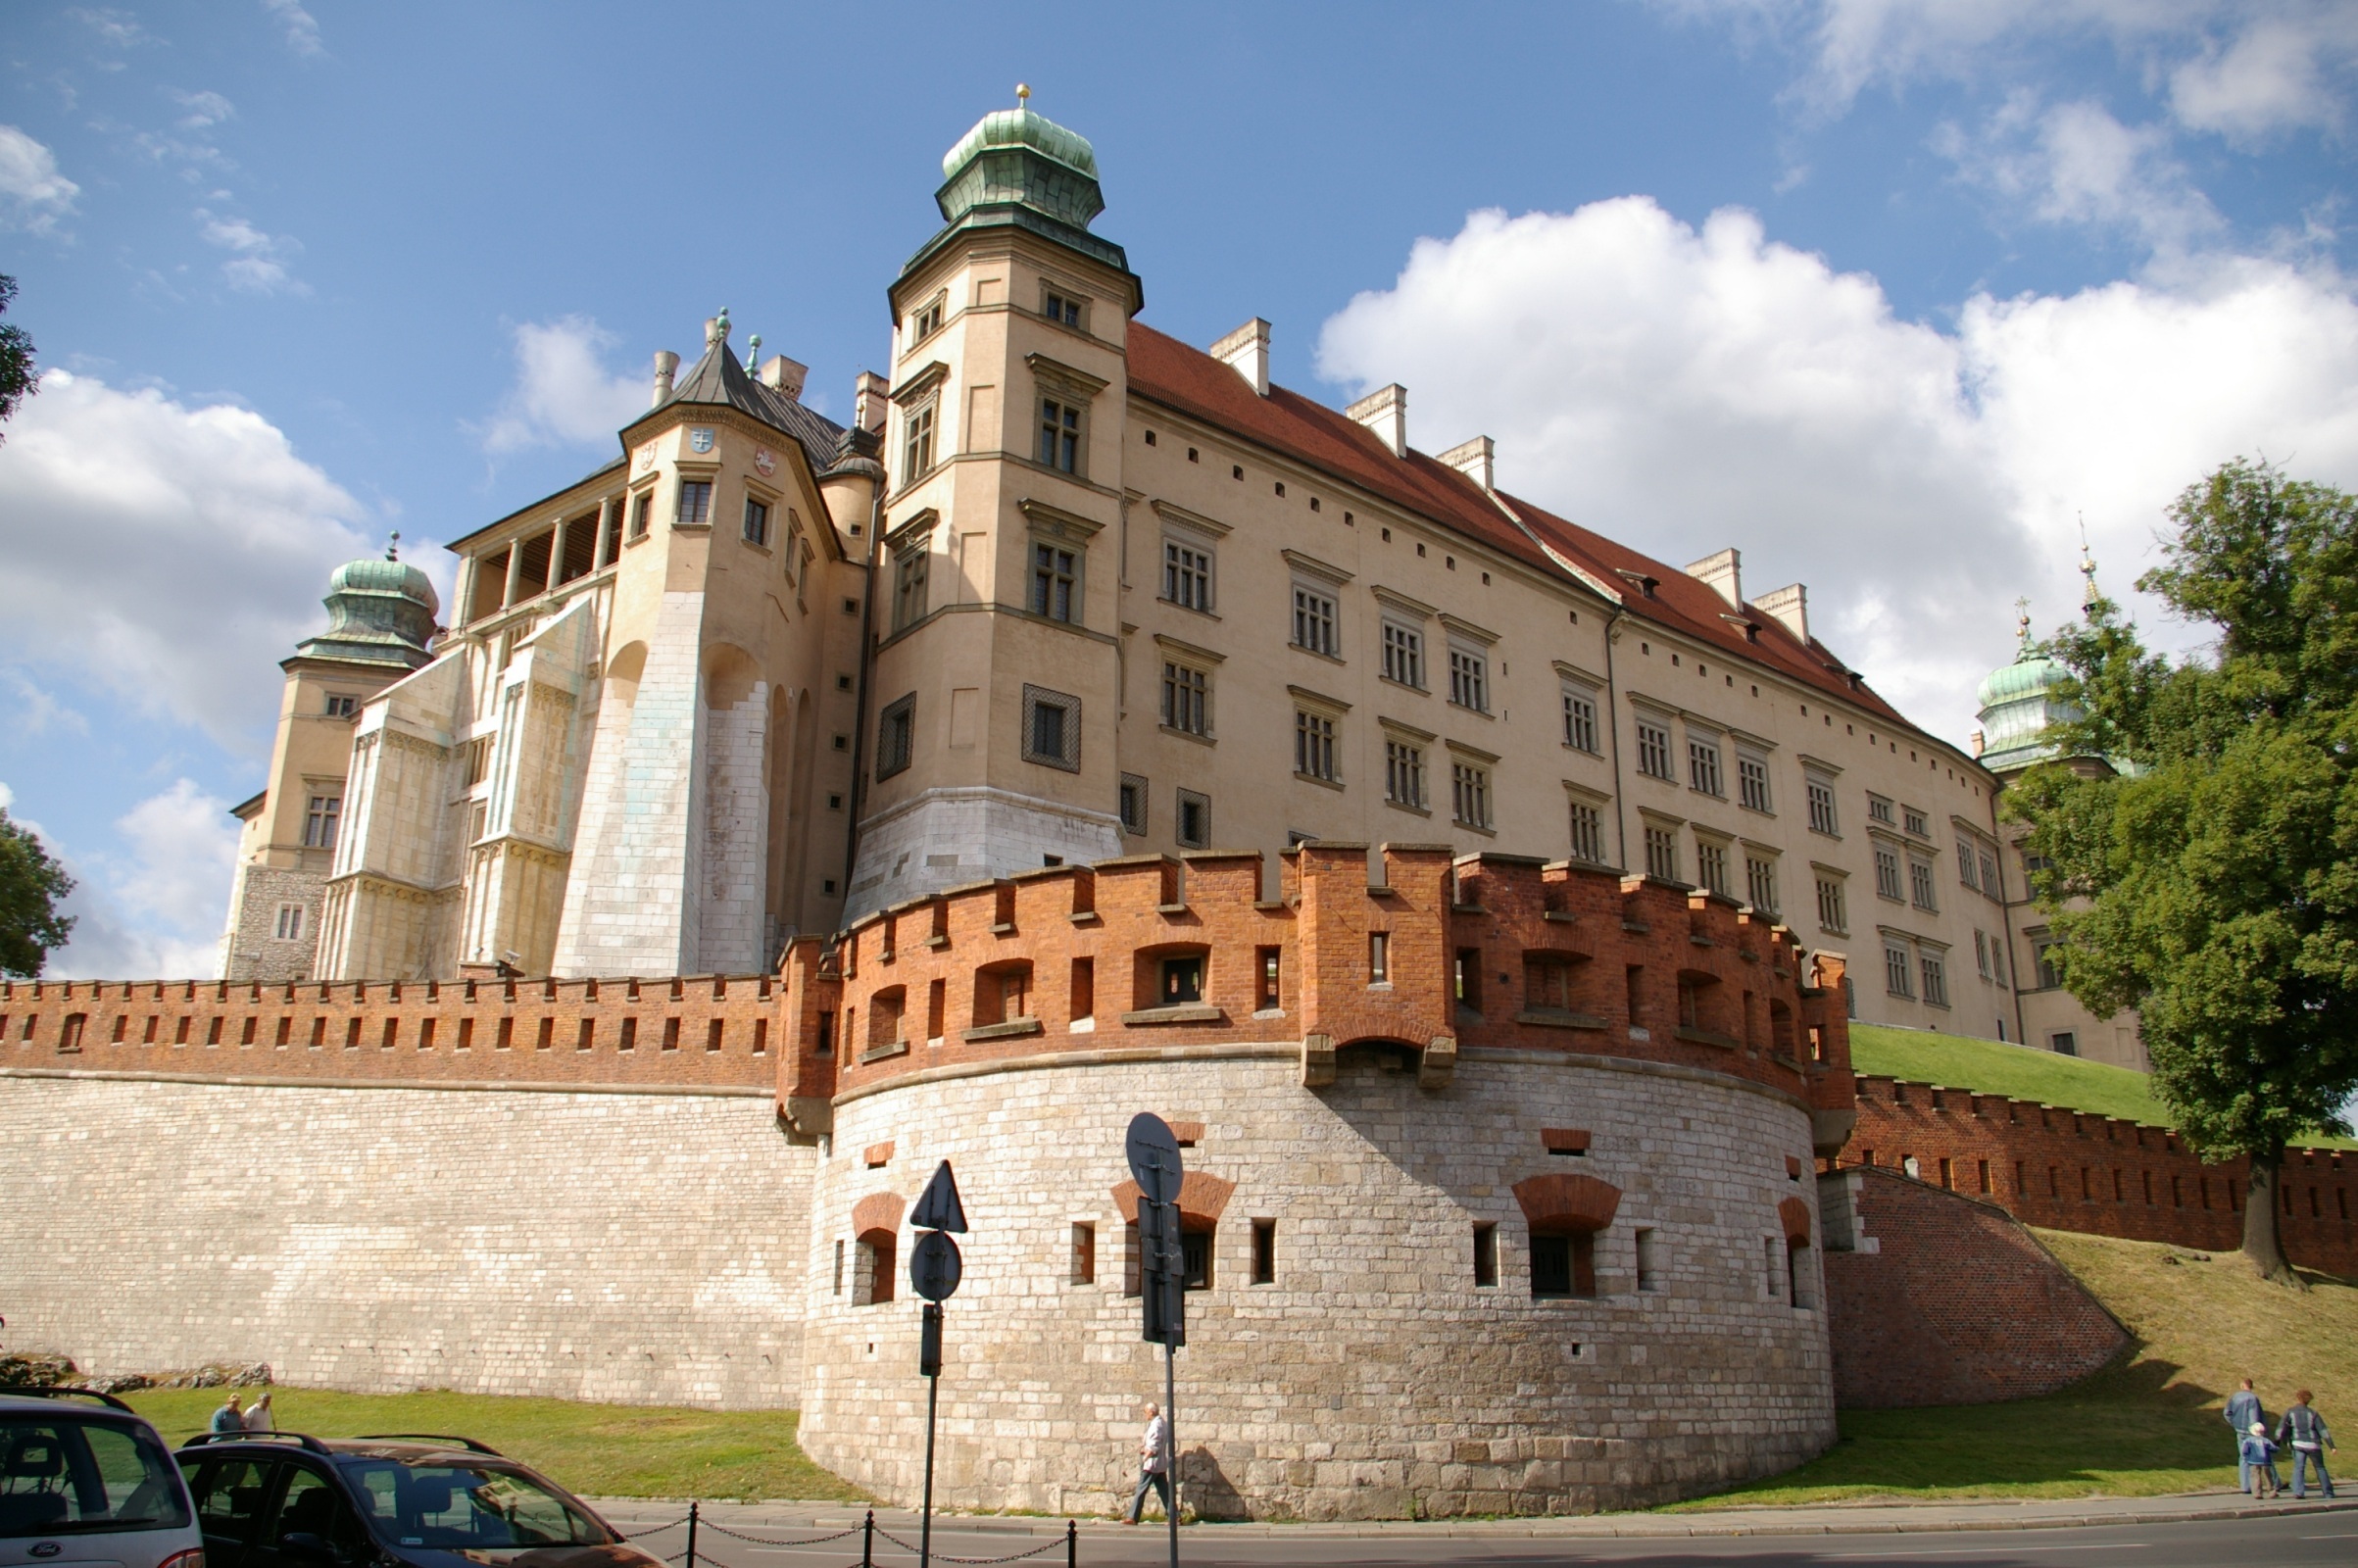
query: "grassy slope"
602, 1450
2148, 1425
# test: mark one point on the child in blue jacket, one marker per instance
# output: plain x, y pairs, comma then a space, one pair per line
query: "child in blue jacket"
2259, 1456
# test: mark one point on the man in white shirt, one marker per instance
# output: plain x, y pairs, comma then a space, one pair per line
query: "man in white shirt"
1154, 1464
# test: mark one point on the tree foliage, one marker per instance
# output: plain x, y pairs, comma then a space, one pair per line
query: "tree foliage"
31, 887
17, 378
2212, 883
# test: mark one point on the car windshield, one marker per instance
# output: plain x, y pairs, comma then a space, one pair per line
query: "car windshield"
467, 1507
61, 1474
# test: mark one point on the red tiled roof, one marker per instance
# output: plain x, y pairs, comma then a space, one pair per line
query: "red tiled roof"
1168, 372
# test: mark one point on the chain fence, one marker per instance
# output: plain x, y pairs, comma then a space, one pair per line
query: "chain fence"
1069, 1542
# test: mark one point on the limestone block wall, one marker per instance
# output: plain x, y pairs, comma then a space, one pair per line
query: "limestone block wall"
953, 835
736, 833
1373, 1376
254, 950
628, 1247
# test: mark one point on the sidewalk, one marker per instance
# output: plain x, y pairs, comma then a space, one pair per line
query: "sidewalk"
633, 1514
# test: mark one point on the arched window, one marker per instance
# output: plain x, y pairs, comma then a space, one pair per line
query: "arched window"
873, 1268
1564, 1215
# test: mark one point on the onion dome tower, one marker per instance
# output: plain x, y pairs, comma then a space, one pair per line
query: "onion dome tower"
1017, 169
2018, 705
380, 610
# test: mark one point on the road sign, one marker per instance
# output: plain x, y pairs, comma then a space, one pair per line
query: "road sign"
929, 1353
1154, 1157
938, 1208
934, 1266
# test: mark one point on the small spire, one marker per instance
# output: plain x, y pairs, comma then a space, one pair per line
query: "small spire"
2088, 568
393, 545
1023, 96
717, 332
753, 352
2022, 626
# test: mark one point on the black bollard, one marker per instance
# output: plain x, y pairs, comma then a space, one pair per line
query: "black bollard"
1073, 1545
691, 1535
867, 1542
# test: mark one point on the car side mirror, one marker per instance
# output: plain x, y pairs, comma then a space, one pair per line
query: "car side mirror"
304, 1546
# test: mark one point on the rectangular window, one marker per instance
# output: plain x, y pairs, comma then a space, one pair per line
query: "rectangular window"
1966, 872
2050, 974
1896, 970
1403, 655
926, 321
1084, 1253
1061, 435
1588, 833
1469, 679
911, 569
1752, 781
341, 706
1821, 806
642, 507
1133, 804
1186, 700
1760, 883
1980, 954
1051, 728
896, 736
916, 444
1563, 1265
1268, 972
1703, 766
1486, 1257
1879, 809
1915, 822
1649, 1261
1935, 979
1194, 820
757, 522
1469, 793
1831, 914
1056, 582
1989, 882
1653, 749
1887, 873
695, 502
1662, 853
1264, 1252
290, 922
1314, 745
1314, 620
1062, 308
1186, 575
319, 820
1405, 774
1580, 718
1711, 866
1379, 958
1920, 882
1182, 981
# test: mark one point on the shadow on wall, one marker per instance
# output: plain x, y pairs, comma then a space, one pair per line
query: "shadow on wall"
1205, 1488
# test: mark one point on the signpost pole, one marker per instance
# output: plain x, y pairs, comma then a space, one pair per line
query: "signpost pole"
933, 1390
934, 1268
1154, 1164
1170, 1426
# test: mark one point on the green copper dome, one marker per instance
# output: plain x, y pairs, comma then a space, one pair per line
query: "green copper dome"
2018, 705
1020, 169
379, 612
1020, 127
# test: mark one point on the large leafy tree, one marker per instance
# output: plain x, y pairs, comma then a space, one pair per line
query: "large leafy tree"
31, 887
2212, 884
17, 379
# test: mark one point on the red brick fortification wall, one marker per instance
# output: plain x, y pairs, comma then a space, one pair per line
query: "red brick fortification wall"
2076, 1172
695, 1032
1947, 1299
1433, 957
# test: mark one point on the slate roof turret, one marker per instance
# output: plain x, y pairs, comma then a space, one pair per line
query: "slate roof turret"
720, 378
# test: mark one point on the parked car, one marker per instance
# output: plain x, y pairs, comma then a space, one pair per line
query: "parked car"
83, 1479
284, 1499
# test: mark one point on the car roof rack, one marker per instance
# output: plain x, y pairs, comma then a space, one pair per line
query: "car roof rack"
469, 1443
310, 1444
62, 1393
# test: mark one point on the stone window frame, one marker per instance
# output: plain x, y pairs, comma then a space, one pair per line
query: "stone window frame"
919, 401
1916, 822
1131, 803
1468, 650
1069, 757
1707, 759
1403, 639
641, 514
1714, 849
1656, 739
1583, 710
322, 814
289, 922
1760, 864
1201, 803
1924, 879
1580, 799
1319, 709
1755, 788
1192, 532
1824, 799
1070, 389
1836, 879
1474, 779
1191, 660
927, 319
1879, 809
896, 736
910, 547
1054, 292
1890, 854
1659, 837
1323, 584
1898, 967
1416, 744
1932, 964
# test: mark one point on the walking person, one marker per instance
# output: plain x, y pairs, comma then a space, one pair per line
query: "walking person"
231, 1417
2243, 1409
2259, 1461
259, 1417
1153, 1465
2305, 1432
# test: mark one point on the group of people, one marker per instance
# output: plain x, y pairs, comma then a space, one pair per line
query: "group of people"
233, 1417
2301, 1430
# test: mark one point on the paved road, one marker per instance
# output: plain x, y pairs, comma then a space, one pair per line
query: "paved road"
2292, 1541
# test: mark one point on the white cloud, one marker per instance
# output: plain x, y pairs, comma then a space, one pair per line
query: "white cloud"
205, 110
1685, 389
257, 262
563, 394
39, 712
154, 907
2074, 163
2275, 76
302, 30
166, 554
111, 26
33, 195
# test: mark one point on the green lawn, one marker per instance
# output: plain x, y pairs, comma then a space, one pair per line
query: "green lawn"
614, 1451
2147, 1425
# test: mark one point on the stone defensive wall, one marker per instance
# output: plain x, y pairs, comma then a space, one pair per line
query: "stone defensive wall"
2072, 1172
1508, 1211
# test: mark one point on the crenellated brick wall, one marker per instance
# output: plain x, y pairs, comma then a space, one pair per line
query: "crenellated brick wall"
2068, 1170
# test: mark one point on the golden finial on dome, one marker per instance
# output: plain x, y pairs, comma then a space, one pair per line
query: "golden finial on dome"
1023, 94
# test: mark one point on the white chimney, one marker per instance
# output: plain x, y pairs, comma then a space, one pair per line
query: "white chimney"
1246, 351
1721, 573
785, 375
665, 362
871, 395
1789, 605
1385, 410
1472, 458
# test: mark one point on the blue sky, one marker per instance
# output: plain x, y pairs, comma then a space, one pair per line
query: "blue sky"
1891, 294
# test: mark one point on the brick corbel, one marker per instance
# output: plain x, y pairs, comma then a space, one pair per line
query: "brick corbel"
878, 1211
1794, 1215
1317, 1060
1555, 1204
1439, 1061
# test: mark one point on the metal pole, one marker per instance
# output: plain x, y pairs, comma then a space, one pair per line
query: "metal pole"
933, 1389
867, 1542
691, 1535
1073, 1545
1170, 1438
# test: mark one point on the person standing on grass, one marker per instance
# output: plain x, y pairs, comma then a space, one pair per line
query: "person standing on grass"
259, 1418
2259, 1461
2308, 1436
231, 1417
1153, 1465
2242, 1409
